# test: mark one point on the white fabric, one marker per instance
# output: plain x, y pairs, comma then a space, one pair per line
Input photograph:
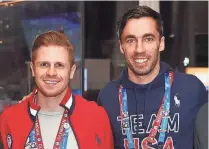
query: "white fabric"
49, 123
33, 112
69, 102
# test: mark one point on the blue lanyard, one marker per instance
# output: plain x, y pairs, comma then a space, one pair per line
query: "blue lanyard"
166, 109
126, 124
65, 138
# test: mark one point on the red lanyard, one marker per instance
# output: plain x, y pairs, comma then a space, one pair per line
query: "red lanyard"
156, 124
63, 125
161, 113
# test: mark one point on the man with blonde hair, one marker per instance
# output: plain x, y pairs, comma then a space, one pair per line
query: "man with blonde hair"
52, 117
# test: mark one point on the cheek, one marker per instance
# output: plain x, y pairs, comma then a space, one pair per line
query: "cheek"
152, 50
64, 74
39, 72
128, 54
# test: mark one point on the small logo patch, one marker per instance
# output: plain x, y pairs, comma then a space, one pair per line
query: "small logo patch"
99, 141
177, 101
9, 141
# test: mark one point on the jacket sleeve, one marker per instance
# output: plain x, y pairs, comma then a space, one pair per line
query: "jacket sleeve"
1, 142
3, 132
108, 135
201, 129
202, 93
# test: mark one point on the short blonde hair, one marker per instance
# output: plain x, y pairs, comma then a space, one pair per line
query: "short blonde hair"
53, 38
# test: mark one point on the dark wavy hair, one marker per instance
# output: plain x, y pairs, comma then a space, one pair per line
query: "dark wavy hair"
137, 13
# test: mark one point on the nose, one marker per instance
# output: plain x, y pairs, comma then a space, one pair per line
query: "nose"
51, 71
139, 47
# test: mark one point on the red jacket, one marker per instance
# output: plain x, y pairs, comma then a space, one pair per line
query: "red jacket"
89, 122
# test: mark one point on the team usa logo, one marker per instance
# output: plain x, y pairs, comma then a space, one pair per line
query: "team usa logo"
145, 145
136, 125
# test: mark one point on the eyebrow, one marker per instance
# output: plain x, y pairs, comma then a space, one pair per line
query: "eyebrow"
39, 62
129, 36
147, 35
143, 36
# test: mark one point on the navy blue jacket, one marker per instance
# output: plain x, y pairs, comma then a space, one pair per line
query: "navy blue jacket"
188, 94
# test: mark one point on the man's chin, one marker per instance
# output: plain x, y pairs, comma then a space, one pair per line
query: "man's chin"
142, 72
51, 93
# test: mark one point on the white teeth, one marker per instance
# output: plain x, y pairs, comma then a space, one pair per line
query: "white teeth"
141, 60
51, 82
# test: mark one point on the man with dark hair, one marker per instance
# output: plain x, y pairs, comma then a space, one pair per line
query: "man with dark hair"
52, 117
150, 106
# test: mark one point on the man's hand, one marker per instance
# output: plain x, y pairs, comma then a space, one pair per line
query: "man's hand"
25, 97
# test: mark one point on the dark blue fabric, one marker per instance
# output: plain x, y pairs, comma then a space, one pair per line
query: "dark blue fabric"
144, 102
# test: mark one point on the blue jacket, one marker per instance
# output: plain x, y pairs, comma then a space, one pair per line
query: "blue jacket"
188, 94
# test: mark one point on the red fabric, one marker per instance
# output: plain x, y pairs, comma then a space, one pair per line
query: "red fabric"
88, 120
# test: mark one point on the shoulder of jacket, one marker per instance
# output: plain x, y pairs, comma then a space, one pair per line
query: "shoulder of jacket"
89, 106
110, 86
13, 109
186, 77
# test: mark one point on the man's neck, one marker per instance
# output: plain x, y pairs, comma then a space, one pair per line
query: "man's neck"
145, 79
50, 104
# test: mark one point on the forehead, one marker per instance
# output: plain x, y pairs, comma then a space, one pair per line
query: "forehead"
51, 54
141, 26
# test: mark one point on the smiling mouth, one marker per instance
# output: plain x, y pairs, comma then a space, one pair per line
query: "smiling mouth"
141, 60
51, 82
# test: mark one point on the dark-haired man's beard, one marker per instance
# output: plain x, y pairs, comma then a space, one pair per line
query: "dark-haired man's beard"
144, 66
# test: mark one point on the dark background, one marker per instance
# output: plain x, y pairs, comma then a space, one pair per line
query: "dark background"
185, 29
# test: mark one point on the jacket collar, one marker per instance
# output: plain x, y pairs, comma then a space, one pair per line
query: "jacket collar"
68, 102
